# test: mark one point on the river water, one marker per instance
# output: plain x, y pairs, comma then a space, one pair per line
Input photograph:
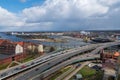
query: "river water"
71, 42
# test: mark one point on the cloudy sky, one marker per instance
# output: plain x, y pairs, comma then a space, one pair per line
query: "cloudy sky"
59, 15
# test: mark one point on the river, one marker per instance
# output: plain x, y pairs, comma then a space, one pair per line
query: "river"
71, 42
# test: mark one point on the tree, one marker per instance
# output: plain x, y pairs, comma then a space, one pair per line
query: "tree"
52, 49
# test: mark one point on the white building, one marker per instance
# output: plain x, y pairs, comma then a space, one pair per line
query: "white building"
84, 32
40, 48
31, 48
18, 49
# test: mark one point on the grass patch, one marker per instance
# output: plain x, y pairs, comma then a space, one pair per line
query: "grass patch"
86, 71
58, 73
13, 64
3, 66
90, 74
27, 59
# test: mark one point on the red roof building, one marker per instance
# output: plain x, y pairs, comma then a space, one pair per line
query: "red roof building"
7, 47
20, 43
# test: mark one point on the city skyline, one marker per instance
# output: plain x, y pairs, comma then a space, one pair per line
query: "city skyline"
59, 15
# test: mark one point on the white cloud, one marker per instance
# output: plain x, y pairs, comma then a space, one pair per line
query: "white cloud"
64, 9
9, 19
54, 14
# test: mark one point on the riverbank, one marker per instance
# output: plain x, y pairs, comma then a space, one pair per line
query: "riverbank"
51, 40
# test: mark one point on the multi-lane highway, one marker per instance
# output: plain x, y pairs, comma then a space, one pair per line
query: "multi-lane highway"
63, 64
40, 65
25, 66
28, 65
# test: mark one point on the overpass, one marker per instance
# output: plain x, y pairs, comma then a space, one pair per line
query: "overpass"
50, 61
63, 64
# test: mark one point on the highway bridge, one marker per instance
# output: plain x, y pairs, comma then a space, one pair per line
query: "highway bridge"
39, 66
63, 64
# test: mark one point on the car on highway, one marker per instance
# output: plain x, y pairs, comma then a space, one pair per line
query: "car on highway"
39, 61
32, 63
3, 74
36, 69
23, 66
48, 63
17, 68
52, 55
78, 65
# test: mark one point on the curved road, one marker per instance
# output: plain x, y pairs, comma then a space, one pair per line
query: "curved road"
61, 58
